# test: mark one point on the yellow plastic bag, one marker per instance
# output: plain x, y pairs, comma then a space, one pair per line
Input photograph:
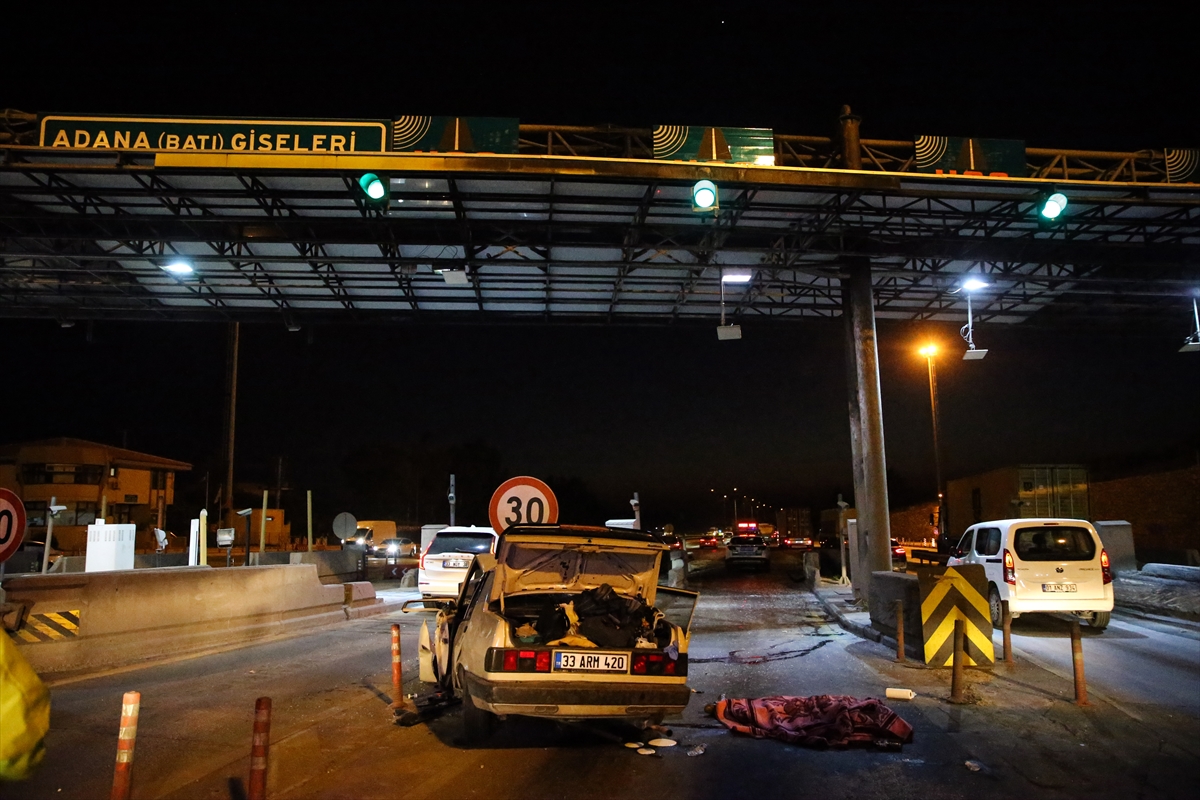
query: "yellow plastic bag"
24, 714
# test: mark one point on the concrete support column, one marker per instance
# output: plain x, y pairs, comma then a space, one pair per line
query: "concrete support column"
866, 425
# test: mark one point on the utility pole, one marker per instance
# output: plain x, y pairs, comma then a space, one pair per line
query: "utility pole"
452, 499
231, 363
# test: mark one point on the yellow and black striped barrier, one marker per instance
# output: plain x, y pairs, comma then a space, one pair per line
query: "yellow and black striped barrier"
950, 593
52, 626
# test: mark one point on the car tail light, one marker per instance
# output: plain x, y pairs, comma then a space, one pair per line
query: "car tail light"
516, 660
1010, 568
1105, 566
658, 664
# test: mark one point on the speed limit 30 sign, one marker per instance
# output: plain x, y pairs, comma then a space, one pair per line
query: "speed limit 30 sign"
12, 523
520, 501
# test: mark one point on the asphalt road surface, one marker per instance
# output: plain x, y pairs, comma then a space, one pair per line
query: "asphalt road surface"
1136, 662
753, 635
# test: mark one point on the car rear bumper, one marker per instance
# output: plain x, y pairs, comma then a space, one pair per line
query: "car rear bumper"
578, 700
1065, 604
757, 559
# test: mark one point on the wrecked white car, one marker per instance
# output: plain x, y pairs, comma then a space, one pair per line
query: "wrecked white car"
564, 622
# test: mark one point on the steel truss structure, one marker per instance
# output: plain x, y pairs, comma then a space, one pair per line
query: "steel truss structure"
583, 226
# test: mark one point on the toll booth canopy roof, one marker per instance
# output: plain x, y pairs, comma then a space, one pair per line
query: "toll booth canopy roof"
88, 234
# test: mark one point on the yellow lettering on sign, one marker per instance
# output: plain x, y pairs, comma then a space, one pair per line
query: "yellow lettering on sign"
337, 143
238, 141
204, 140
101, 140
353, 134
318, 143
60, 140
141, 140
264, 141
296, 144
82, 138
189, 143
120, 139
172, 141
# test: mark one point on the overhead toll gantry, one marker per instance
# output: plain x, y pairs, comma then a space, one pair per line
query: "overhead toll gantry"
487, 220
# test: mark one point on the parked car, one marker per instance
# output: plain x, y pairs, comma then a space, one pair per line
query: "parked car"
1041, 565
748, 550
400, 547
445, 562
563, 622
798, 542
709, 540
899, 555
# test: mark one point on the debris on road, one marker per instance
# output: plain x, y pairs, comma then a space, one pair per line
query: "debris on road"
697, 750
662, 743
974, 766
818, 721
635, 745
900, 694
645, 751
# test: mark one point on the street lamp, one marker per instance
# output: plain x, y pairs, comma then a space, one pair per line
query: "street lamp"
930, 353
968, 331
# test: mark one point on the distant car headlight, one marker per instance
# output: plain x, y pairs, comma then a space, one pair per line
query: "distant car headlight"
361, 540
392, 548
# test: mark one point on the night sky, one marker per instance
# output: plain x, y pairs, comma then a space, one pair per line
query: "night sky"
669, 412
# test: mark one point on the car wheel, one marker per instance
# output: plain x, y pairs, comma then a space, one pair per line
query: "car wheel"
1100, 619
996, 606
478, 723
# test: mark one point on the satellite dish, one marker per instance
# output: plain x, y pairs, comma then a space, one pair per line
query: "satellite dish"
345, 526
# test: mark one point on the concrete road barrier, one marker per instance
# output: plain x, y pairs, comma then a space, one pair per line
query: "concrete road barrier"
84, 621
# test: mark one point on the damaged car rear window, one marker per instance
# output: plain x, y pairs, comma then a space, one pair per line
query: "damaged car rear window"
533, 568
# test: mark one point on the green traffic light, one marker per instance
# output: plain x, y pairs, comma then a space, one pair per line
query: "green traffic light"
373, 186
1053, 206
704, 195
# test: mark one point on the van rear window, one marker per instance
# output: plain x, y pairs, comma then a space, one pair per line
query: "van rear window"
461, 543
1055, 544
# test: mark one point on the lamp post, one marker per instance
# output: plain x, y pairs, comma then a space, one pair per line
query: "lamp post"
930, 353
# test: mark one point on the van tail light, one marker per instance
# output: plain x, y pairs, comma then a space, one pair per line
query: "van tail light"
1010, 568
1105, 566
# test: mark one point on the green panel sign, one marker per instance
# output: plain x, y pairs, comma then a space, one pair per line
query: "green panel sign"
1183, 165
184, 133
955, 155
733, 145
455, 134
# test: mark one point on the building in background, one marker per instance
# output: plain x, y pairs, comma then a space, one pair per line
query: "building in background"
94, 481
916, 523
1027, 490
1163, 508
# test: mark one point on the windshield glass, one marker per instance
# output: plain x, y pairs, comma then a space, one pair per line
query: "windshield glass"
461, 543
1055, 544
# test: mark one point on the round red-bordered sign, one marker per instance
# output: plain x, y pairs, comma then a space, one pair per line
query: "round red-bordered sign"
522, 500
12, 524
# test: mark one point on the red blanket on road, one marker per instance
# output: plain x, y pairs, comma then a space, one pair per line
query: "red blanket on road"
824, 720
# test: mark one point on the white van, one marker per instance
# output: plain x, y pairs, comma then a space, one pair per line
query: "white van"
1046, 565
448, 556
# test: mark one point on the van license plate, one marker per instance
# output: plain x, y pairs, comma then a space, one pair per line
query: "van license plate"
454, 563
1059, 587
565, 661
